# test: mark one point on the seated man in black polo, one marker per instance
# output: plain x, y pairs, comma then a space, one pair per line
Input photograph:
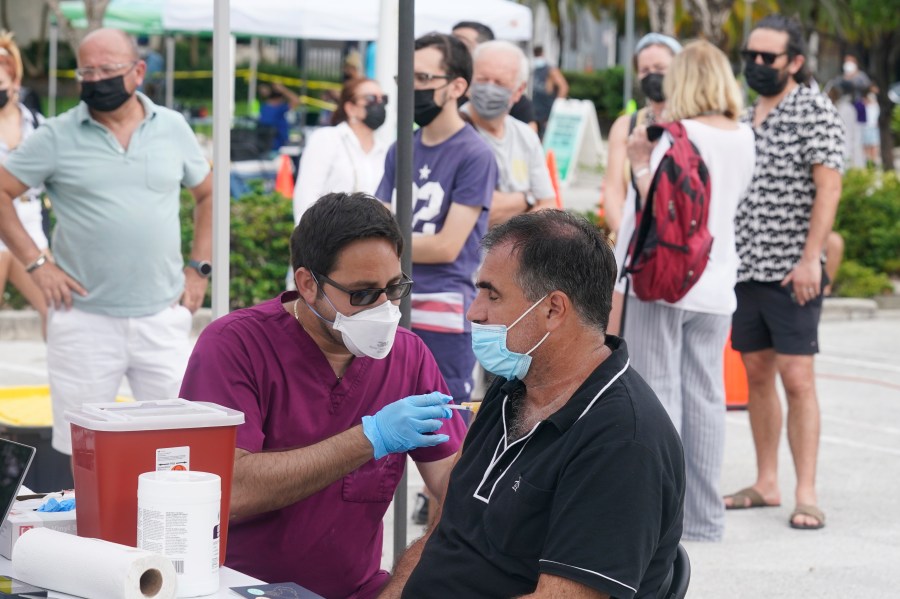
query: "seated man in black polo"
571, 479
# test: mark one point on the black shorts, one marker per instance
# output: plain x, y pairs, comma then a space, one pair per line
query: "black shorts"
768, 317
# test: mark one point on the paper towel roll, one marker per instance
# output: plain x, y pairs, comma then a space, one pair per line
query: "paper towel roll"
91, 567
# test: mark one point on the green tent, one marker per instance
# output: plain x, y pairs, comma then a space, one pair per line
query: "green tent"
134, 16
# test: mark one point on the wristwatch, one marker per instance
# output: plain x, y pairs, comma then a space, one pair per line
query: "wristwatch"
203, 268
530, 199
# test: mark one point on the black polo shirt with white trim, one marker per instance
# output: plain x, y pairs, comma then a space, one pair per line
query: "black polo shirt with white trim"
594, 493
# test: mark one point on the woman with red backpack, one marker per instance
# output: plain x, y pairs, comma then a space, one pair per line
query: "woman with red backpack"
677, 345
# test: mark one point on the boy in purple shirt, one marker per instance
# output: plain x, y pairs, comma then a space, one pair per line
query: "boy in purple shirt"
454, 177
326, 382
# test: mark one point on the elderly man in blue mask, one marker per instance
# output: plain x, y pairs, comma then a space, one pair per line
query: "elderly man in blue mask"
499, 76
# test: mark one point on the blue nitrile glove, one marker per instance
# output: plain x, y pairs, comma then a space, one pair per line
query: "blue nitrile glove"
400, 426
52, 505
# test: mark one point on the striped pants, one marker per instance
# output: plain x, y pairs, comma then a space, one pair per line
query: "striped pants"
680, 355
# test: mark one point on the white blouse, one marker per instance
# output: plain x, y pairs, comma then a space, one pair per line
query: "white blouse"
730, 156
333, 160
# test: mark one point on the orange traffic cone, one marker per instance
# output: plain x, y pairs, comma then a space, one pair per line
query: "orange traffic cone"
736, 391
284, 180
554, 177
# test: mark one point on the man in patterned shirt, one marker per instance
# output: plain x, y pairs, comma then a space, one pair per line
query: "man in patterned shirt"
782, 225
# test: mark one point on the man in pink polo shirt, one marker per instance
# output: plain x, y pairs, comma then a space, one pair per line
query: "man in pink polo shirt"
334, 397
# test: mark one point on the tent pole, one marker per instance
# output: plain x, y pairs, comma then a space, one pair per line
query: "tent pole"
254, 67
170, 71
222, 101
629, 50
403, 184
52, 86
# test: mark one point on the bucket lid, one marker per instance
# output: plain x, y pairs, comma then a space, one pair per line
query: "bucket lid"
180, 484
153, 415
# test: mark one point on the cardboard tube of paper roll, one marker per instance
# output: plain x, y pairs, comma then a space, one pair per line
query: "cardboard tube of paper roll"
91, 567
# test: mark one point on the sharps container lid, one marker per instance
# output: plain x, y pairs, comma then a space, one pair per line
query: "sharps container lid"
162, 414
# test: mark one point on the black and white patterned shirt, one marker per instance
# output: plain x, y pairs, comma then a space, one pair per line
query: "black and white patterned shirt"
773, 218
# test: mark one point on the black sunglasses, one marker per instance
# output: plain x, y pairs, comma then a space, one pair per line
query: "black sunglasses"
425, 78
367, 297
373, 99
768, 58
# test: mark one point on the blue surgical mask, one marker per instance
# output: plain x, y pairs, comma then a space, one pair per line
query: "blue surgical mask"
489, 345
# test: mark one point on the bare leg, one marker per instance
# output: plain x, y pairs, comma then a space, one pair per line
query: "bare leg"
834, 254
797, 375
5, 263
764, 407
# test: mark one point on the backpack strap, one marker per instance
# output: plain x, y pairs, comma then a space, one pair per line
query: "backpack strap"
34, 119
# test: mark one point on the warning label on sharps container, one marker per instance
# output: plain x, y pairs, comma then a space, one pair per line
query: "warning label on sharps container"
173, 458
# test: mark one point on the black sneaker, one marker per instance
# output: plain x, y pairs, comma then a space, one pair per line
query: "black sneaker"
420, 511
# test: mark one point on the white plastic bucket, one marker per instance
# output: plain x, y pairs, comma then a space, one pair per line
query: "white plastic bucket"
178, 516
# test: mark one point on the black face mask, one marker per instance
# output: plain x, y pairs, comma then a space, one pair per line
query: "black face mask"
765, 80
375, 115
105, 95
652, 86
425, 109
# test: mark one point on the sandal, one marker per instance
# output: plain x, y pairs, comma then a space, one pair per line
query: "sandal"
739, 500
812, 511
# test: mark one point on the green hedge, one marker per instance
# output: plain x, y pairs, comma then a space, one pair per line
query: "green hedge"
261, 226
868, 219
603, 88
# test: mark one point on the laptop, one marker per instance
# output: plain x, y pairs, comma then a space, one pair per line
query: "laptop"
15, 460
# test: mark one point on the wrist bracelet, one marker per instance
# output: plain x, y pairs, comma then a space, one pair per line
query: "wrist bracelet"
641, 172
40, 261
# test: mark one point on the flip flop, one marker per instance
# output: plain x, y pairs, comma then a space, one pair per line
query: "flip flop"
812, 511
739, 500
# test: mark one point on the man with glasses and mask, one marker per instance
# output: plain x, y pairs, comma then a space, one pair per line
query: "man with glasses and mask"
571, 481
121, 296
499, 76
334, 397
782, 225
454, 177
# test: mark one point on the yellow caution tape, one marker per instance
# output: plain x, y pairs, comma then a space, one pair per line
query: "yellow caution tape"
244, 74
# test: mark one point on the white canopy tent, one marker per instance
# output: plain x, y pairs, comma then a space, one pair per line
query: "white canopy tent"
344, 19
304, 19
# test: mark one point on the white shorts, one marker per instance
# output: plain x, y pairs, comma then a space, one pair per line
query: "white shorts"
29, 213
88, 354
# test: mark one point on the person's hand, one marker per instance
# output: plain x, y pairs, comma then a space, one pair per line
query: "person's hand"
56, 285
639, 147
401, 426
194, 289
806, 279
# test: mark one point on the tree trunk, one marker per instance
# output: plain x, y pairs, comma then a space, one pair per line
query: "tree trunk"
94, 11
884, 57
38, 67
712, 16
662, 16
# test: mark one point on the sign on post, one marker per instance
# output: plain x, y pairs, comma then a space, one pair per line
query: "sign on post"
573, 135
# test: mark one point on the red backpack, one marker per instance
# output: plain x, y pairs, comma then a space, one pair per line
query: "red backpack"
670, 245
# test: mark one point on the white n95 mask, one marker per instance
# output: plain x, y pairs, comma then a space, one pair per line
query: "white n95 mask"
368, 333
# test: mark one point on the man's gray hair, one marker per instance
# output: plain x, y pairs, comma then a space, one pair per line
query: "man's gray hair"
509, 48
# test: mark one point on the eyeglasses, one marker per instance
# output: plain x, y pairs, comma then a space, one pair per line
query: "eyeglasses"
425, 78
373, 99
367, 297
768, 58
104, 71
